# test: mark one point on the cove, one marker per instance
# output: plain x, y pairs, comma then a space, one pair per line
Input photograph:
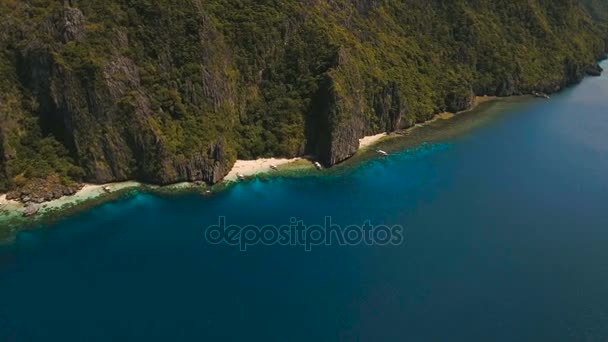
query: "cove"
505, 239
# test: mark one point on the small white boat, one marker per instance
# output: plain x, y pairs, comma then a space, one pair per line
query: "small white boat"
274, 167
240, 176
318, 166
542, 95
107, 189
381, 152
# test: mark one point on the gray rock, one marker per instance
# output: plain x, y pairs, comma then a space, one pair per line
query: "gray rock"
594, 70
30, 210
67, 24
457, 101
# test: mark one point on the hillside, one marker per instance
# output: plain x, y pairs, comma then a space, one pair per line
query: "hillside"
165, 91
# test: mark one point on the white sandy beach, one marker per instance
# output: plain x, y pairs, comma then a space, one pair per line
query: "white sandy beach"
370, 140
7, 206
253, 167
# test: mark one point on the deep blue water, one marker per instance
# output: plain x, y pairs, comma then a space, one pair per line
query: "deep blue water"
506, 239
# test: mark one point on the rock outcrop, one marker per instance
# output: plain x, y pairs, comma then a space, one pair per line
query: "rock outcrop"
594, 70
43, 190
340, 122
67, 24
457, 101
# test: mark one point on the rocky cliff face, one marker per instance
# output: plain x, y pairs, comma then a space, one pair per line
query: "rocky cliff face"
169, 91
594, 70
106, 115
457, 101
3, 177
345, 121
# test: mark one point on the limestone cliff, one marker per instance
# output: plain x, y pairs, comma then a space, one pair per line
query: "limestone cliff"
167, 91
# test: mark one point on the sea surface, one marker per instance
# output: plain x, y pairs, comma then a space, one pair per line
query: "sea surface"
505, 216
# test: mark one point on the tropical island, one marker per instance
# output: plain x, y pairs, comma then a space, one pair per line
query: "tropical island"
163, 92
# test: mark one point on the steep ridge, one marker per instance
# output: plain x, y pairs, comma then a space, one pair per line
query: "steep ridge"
166, 91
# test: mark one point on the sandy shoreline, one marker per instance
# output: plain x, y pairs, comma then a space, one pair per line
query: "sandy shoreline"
245, 168
254, 167
371, 140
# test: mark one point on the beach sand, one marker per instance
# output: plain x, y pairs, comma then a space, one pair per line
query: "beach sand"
371, 140
4, 203
9, 207
253, 167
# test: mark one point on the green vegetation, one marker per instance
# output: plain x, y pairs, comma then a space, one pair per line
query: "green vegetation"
26, 152
172, 90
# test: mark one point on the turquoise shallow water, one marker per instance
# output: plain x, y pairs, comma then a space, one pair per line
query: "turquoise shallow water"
506, 236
